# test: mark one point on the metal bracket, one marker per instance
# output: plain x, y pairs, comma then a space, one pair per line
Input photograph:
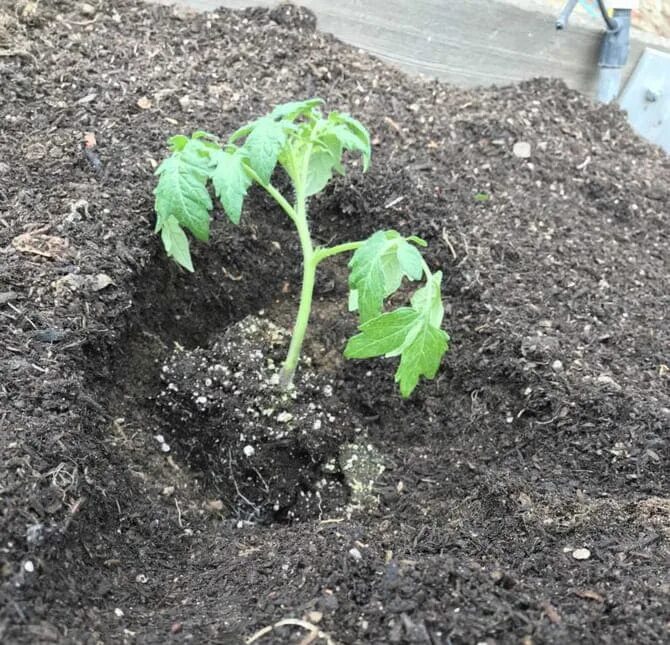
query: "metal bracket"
646, 97
564, 16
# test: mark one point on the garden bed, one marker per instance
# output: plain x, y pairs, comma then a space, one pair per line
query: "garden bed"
524, 493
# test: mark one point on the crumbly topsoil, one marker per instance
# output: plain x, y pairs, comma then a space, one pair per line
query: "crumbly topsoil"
524, 493
277, 449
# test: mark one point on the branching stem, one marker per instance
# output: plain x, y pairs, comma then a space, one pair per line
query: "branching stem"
273, 192
311, 259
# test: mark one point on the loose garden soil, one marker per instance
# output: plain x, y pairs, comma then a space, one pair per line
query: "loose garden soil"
525, 493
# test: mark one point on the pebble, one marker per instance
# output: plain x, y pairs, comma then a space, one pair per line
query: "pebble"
581, 554
86, 9
606, 380
521, 149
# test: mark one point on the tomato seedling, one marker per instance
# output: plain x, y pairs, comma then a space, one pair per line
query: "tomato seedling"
309, 147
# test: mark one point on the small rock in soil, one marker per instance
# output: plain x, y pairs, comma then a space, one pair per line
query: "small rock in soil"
581, 554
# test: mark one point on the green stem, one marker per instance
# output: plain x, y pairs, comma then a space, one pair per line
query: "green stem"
311, 258
326, 252
426, 269
273, 192
306, 295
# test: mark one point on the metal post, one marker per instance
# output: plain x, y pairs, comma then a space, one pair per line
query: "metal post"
613, 56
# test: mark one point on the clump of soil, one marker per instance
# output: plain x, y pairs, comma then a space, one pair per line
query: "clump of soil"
233, 421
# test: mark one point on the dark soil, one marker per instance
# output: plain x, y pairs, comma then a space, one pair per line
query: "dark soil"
546, 432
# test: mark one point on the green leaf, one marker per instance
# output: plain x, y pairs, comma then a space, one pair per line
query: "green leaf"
244, 131
428, 299
352, 134
176, 243
295, 108
406, 332
231, 182
409, 259
319, 171
182, 193
384, 335
353, 300
415, 239
367, 275
198, 153
331, 144
203, 134
177, 142
377, 269
263, 146
413, 333
421, 357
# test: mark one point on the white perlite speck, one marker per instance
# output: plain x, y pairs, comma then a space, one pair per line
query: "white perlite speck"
521, 149
581, 554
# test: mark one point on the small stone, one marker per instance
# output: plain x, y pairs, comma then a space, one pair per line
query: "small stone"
86, 9
144, 103
608, 381
581, 554
167, 491
355, 554
29, 566
100, 281
314, 617
284, 417
557, 366
521, 149
118, 613
248, 451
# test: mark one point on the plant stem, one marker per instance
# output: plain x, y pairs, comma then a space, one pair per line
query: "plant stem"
326, 252
426, 269
272, 191
306, 293
310, 260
